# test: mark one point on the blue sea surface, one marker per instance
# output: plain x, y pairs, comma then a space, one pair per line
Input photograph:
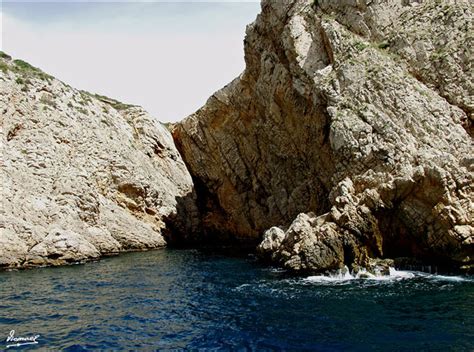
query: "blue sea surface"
203, 300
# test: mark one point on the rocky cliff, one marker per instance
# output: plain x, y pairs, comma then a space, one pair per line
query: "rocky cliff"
82, 175
348, 137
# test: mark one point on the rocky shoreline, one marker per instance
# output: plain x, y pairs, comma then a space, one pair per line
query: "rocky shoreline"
347, 139
83, 175
346, 142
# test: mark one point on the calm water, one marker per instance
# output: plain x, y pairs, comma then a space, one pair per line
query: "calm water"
190, 299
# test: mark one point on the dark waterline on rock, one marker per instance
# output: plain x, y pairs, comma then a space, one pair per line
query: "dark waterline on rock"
191, 299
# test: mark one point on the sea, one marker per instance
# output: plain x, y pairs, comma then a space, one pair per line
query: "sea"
207, 300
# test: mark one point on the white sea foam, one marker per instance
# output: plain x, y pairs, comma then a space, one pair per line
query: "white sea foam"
345, 275
277, 270
394, 274
340, 275
243, 287
450, 278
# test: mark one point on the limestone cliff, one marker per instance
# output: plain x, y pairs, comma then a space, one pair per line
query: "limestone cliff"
82, 175
348, 135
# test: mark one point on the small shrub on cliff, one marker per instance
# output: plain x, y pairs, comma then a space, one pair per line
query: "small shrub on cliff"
25, 68
82, 110
3, 67
360, 46
117, 105
5, 56
48, 101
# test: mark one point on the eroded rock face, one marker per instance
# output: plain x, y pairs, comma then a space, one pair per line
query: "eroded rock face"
345, 130
82, 176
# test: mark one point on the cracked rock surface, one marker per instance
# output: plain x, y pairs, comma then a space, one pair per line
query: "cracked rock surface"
348, 135
82, 175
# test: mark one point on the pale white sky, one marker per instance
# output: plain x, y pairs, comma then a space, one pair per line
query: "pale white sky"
168, 57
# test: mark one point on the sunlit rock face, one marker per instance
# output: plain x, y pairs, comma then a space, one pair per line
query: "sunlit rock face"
82, 175
349, 130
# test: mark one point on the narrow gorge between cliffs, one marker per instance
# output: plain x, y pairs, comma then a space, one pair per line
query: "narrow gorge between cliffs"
322, 200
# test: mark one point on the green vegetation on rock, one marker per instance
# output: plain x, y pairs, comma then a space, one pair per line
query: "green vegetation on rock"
48, 101
5, 56
22, 68
3, 67
117, 105
360, 46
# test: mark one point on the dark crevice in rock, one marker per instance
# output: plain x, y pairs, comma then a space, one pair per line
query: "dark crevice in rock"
54, 256
400, 242
14, 132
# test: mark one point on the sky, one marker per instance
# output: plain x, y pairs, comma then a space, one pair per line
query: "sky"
168, 57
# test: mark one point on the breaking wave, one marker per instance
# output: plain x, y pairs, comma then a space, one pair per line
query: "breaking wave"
394, 275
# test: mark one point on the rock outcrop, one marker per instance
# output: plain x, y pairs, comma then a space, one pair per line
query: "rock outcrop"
349, 134
82, 175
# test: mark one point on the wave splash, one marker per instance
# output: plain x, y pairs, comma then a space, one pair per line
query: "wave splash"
344, 274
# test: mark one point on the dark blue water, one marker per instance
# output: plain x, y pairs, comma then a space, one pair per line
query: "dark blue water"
190, 299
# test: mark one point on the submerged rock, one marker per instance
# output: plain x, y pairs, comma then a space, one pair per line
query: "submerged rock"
82, 175
351, 125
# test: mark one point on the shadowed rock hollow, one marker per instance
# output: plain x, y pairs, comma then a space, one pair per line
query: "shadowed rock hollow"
347, 136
